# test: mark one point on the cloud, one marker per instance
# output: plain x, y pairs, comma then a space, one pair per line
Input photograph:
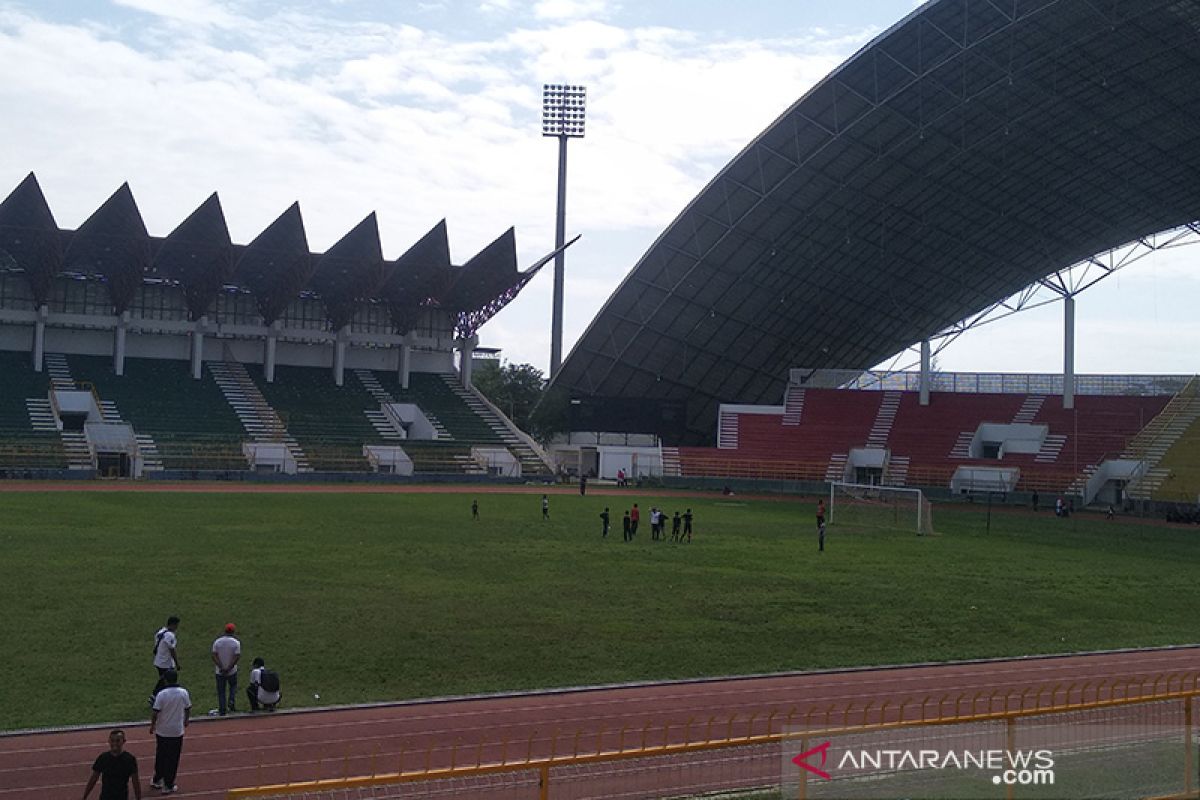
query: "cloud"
187, 12
349, 116
569, 9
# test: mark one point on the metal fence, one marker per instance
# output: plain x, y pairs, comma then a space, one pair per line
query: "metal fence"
1020, 383
1117, 737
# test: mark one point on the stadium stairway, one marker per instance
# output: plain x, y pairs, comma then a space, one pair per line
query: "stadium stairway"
460, 418
881, 428
74, 443
147, 449
670, 462
793, 407
895, 473
532, 463
261, 421
727, 431
1029, 409
1152, 444
379, 420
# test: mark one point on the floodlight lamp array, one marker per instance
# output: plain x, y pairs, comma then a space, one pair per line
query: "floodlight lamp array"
564, 108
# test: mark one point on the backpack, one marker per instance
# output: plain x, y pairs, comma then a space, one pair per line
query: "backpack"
269, 681
158, 638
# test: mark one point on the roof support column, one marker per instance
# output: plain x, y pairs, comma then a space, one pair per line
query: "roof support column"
1068, 351
405, 365
39, 337
466, 349
119, 343
339, 355
198, 347
269, 356
926, 377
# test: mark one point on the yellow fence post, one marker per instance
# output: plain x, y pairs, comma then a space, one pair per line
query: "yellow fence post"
544, 783
1188, 765
1011, 744
803, 791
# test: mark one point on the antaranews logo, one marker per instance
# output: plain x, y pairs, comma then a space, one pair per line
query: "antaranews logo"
1004, 767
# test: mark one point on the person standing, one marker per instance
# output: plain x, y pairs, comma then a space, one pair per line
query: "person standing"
604, 523
687, 526
675, 527
1035, 499
545, 507
474, 509
582, 485
627, 527
264, 687
171, 716
621, 478
820, 512
164, 653
226, 651
821, 538
114, 767
634, 516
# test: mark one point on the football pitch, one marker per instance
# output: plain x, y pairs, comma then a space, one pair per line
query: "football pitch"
363, 597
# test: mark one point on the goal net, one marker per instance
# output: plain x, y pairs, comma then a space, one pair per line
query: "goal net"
856, 506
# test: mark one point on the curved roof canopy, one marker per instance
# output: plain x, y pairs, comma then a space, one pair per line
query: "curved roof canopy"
972, 149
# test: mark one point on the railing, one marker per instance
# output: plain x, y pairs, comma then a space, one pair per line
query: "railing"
1020, 383
1158, 427
732, 467
1100, 717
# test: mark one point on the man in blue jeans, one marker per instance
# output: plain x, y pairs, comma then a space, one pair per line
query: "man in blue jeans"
226, 651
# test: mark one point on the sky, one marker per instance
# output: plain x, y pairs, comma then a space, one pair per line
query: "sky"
430, 109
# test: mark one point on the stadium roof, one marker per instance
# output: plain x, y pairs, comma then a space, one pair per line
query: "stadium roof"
112, 245
972, 149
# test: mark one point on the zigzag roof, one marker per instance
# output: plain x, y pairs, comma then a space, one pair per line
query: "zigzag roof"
276, 267
30, 236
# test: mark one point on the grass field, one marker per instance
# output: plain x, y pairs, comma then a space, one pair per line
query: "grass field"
371, 597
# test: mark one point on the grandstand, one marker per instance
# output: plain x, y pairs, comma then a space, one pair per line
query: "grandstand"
933, 182
889, 437
28, 437
190, 356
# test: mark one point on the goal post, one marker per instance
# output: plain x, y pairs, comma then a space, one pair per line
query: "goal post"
864, 506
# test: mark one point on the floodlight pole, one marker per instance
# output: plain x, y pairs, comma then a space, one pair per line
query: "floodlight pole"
563, 116
560, 260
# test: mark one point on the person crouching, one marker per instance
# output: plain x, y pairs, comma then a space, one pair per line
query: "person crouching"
264, 687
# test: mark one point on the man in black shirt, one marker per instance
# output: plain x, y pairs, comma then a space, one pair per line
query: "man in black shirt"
604, 521
116, 768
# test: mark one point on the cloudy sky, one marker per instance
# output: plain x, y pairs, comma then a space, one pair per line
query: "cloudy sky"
428, 109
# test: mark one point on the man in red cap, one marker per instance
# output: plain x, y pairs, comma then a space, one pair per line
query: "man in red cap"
226, 651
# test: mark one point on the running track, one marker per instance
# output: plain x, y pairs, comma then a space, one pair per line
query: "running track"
245, 750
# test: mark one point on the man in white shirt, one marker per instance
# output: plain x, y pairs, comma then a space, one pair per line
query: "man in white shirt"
164, 653
226, 651
172, 713
264, 687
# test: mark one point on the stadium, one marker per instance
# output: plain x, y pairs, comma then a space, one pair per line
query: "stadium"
168, 399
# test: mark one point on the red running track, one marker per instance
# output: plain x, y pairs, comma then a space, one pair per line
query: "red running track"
246, 750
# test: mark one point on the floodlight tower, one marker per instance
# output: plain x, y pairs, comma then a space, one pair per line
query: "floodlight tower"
563, 110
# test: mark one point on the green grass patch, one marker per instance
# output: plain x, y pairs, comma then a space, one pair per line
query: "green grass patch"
363, 597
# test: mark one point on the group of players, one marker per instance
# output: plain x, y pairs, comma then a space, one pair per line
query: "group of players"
681, 524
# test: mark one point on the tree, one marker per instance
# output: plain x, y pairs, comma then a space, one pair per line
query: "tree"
513, 388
